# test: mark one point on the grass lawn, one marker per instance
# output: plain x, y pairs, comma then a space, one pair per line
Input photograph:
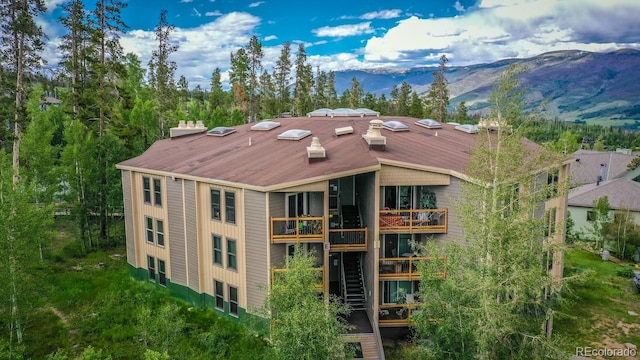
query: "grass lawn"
596, 311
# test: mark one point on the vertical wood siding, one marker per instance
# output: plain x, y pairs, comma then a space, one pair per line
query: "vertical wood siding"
447, 197
176, 231
277, 209
129, 224
191, 223
256, 243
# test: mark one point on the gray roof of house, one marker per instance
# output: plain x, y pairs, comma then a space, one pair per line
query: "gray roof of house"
586, 168
622, 194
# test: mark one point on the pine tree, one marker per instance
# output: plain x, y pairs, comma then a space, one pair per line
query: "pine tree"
162, 72
282, 78
238, 78
439, 93
216, 98
254, 55
303, 84
356, 94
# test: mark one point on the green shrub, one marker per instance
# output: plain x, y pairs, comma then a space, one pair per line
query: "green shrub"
627, 272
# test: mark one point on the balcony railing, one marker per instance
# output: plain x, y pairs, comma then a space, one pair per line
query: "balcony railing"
399, 314
319, 285
414, 220
348, 239
406, 268
296, 229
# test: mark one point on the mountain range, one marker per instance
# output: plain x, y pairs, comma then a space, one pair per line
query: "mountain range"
571, 85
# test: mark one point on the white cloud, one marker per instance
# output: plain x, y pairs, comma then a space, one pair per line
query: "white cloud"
256, 4
213, 13
186, 1
196, 12
344, 30
270, 37
497, 29
458, 6
383, 14
53, 4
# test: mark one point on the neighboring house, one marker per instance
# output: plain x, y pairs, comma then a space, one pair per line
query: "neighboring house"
596, 174
212, 215
47, 101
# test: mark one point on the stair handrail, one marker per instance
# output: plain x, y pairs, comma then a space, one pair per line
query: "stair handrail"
344, 279
364, 284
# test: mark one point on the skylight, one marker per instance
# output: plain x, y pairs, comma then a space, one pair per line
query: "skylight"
429, 124
470, 129
294, 134
221, 131
265, 125
395, 125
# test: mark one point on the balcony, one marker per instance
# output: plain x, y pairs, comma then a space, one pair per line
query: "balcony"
348, 239
405, 268
414, 221
319, 285
297, 229
399, 314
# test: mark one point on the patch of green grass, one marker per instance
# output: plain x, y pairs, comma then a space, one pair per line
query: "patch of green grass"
596, 308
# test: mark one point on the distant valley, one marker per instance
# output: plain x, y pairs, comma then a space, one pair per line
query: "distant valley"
576, 86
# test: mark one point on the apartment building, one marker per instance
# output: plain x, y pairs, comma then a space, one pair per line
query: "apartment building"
213, 214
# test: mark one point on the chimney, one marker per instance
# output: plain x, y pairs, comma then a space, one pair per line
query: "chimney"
373, 137
187, 128
316, 151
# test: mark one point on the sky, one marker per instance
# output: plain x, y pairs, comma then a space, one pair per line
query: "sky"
343, 34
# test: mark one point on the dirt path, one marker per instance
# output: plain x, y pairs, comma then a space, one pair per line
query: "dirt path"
59, 314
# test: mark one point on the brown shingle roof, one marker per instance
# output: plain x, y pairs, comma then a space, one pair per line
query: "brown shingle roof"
586, 169
257, 158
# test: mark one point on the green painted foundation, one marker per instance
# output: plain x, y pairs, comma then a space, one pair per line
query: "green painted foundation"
203, 300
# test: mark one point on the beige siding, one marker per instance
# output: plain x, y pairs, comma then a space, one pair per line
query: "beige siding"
395, 175
128, 218
447, 197
256, 244
176, 231
277, 204
317, 186
368, 198
207, 227
191, 225
141, 212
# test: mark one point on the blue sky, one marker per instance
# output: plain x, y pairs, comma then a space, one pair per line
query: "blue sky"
344, 34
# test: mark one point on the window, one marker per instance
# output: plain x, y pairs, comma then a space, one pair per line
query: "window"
157, 192
149, 229
217, 249
219, 289
151, 264
146, 189
233, 300
230, 207
162, 272
591, 215
231, 254
550, 222
160, 232
215, 204
395, 292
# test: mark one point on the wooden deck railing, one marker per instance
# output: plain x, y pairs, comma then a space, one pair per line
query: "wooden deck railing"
399, 314
296, 229
406, 268
414, 220
319, 286
348, 239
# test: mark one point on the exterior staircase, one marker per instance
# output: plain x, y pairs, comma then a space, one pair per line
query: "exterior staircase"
354, 288
350, 217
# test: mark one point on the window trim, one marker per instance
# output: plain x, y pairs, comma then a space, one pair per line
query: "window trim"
157, 192
233, 303
217, 250
149, 231
232, 257
218, 297
151, 268
216, 211
146, 190
162, 273
230, 207
160, 232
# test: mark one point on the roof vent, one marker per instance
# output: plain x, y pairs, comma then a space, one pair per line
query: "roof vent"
316, 151
373, 136
344, 130
187, 128
294, 134
469, 129
221, 131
